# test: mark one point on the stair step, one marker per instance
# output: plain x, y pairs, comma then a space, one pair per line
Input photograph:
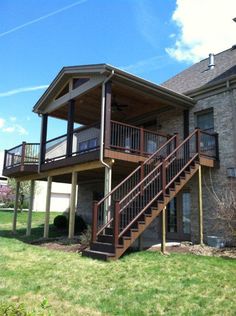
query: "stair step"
105, 238
97, 254
103, 247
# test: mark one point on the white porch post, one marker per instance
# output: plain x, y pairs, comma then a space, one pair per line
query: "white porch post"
16, 207
72, 205
47, 210
29, 221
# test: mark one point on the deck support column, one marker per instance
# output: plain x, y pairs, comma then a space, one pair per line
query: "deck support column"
70, 127
163, 240
16, 207
44, 126
200, 205
107, 189
107, 114
72, 205
47, 211
29, 221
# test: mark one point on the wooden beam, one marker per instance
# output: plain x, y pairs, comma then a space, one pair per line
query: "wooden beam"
65, 170
70, 127
44, 126
72, 205
16, 207
47, 210
163, 241
107, 114
29, 221
81, 90
186, 123
200, 205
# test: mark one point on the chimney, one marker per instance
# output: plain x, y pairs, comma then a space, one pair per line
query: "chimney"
211, 64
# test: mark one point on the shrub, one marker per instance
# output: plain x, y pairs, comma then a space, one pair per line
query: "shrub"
60, 222
80, 225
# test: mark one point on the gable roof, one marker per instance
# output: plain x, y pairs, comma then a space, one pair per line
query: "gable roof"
199, 75
105, 70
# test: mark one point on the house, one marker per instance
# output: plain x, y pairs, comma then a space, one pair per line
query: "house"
137, 164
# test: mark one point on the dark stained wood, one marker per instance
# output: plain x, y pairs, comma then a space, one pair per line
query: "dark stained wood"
123, 156
116, 223
186, 123
94, 221
23, 155
70, 127
43, 139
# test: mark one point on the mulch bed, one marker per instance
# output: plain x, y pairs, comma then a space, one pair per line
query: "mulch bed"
199, 250
60, 243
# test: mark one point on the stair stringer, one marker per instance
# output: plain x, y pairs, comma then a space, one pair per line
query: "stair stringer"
156, 211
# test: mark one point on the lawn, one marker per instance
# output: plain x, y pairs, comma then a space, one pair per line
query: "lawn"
145, 283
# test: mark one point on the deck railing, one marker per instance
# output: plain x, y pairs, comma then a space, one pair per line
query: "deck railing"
24, 154
135, 140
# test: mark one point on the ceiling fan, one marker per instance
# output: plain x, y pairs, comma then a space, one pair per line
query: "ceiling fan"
118, 107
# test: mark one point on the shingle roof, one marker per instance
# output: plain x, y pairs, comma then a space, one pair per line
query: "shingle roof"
199, 74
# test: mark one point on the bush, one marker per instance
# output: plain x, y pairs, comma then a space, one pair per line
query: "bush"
80, 225
60, 222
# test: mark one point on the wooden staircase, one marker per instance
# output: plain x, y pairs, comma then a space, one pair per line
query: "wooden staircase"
124, 214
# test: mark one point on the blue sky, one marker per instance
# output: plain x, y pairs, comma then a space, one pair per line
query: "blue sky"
145, 37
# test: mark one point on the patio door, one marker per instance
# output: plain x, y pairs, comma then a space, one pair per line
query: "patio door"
178, 218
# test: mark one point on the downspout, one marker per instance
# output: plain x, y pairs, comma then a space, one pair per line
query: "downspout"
103, 119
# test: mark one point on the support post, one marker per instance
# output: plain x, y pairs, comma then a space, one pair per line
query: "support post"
116, 223
94, 221
141, 141
163, 178
200, 205
43, 140
163, 240
107, 189
47, 211
29, 221
22, 156
107, 114
72, 205
16, 207
70, 127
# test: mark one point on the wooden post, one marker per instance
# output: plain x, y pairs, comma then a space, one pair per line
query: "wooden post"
141, 141
107, 114
198, 141
72, 205
186, 123
5, 159
29, 221
94, 221
44, 126
22, 156
47, 211
163, 178
200, 205
163, 241
70, 127
141, 176
16, 207
116, 223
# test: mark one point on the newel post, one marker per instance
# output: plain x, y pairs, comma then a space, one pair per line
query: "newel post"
23, 156
94, 221
116, 223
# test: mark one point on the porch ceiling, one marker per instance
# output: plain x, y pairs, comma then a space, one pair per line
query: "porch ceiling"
139, 103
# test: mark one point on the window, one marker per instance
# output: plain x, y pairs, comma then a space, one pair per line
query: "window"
186, 212
205, 120
172, 217
88, 145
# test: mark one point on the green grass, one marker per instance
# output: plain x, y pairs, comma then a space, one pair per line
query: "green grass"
145, 283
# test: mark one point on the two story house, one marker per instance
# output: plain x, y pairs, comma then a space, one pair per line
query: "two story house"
146, 157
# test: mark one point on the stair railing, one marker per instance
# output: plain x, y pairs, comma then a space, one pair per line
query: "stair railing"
155, 184
104, 210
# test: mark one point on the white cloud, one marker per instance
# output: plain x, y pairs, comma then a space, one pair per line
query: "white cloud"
205, 26
12, 118
16, 128
2, 122
21, 90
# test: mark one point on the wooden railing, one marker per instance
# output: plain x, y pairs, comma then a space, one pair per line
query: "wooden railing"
24, 154
135, 140
134, 195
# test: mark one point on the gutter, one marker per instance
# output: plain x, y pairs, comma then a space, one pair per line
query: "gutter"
103, 120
